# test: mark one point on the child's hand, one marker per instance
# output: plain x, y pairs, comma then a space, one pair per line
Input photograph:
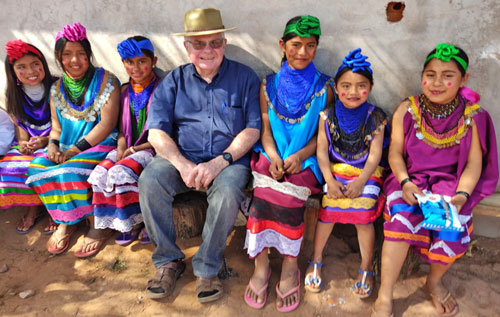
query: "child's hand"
276, 168
335, 190
459, 201
293, 164
354, 188
36, 143
66, 155
120, 152
409, 189
24, 148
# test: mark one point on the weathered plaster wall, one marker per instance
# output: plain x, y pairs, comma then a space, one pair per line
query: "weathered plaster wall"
396, 50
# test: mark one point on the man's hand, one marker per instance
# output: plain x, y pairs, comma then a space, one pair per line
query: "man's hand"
204, 173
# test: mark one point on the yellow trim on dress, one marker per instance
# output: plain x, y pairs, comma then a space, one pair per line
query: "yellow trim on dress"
469, 112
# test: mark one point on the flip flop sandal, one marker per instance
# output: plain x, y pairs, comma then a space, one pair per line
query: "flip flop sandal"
23, 220
443, 301
309, 281
163, 283
285, 309
66, 238
250, 302
208, 289
362, 285
51, 223
126, 238
100, 244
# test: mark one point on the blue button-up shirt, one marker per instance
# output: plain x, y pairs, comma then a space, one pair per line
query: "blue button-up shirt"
203, 118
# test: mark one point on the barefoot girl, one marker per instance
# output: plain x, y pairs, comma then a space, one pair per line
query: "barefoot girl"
114, 180
284, 166
27, 94
441, 141
350, 143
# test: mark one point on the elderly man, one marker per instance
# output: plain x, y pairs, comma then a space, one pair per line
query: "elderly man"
203, 120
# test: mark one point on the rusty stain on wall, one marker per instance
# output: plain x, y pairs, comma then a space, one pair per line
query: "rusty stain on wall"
394, 11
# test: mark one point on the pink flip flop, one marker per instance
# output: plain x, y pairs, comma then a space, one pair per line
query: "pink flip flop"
285, 309
250, 302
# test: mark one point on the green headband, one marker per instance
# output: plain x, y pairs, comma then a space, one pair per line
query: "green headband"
306, 26
445, 52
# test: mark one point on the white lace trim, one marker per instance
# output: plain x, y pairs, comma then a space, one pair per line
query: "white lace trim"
442, 245
407, 223
117, 191
300, 192
107, 180
122, 225
395, 195
58, 171
14, 164
371, 189
255, 243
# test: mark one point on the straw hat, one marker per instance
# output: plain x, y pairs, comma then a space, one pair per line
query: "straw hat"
203, 22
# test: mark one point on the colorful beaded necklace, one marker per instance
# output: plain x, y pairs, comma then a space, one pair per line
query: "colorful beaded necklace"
436, 110
75, 89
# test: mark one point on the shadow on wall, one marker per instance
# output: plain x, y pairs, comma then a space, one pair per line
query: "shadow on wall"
240, 55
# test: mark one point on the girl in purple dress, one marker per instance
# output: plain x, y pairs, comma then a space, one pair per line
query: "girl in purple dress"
350, 146
27, 94
444, 142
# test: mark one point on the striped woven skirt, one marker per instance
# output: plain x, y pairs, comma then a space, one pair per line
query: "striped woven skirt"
63, 188
276, 216
404, 224
361, 210
116, 193
13, 188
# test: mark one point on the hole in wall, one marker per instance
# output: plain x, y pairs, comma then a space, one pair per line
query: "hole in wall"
394, 11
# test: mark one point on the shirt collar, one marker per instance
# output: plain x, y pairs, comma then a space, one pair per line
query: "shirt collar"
222, 69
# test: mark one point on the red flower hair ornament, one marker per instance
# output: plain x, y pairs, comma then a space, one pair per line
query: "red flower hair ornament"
73, 33
17, 49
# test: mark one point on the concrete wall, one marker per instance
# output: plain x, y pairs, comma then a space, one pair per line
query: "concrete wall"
396, 50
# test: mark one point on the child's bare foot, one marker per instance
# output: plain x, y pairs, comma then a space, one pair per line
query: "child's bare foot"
93, 242
288, 291
51, 227
28, 221
256, 291
382, 308
312, 281
442, 300
363, 287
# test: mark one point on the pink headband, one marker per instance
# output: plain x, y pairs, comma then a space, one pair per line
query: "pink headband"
17, 49
73, 33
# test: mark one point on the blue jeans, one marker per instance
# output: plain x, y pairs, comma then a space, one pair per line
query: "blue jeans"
160, 182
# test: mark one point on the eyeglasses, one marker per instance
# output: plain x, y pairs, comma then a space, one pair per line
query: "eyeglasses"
199, 45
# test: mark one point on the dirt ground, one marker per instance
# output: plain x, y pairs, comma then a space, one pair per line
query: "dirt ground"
113, 282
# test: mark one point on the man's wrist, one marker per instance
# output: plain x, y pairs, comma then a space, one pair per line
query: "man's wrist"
228, 157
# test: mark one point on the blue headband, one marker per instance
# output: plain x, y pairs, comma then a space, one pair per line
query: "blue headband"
356, 62
132, 48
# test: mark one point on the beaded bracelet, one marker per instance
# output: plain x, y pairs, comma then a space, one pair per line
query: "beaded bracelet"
82, 145
461, 192
404, 181
54, 141
132, 150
